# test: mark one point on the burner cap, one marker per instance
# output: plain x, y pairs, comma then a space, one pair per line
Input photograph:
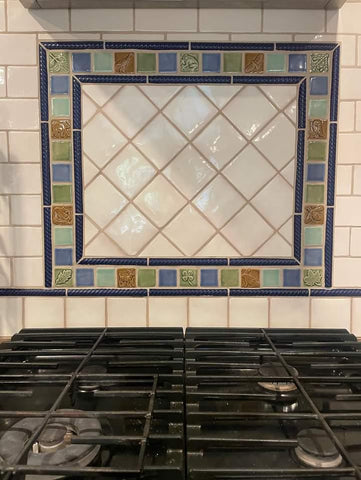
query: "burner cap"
52, 437
91, 385
277, 370
316, 449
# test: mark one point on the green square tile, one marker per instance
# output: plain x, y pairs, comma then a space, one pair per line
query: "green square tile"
271, 278
105, 277
63, 236
313, 236
316, 151
60, 107
318, 108
146, 277
59, 62
230, 278
276, 62
315, 193
312, 278
61, 151
188, 277
103, 62
189, 62
146, 62
62, 193
232, 62
63, 277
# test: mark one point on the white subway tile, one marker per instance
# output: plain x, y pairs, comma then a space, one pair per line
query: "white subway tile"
341, 241
207, 312
198, 37
20, 178
20, 19
359, 51
44, 312
229, 20
87, 20
2, 16
348, 45
356, 317
346, 116
133, 36
28, 272
346, 272
11, 119
350, 80
166, 19
330, 313
289, 312
300, 21
343, 179
357, 180
21, 241
17, 49
4, 210
3, 147
85, 312
345, 20
22, 81
355, 246
168, 312
358, 116
11, 314
261, 37
347, 212
26, 209
248, 312
127, 312
5, 272
69, 36
349, 147
24, 147
2, 82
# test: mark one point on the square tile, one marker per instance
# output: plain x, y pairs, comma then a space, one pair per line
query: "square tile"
189, 62
126, 277
127, 312
167, 62
188, 277
23, 145
61, 151
208, 312
84, 277
28, 272
146, 277
315, 193
250, 278
59, 62
60, 129
60, 107
317, 150
61, 172
38, 311
25, 210
230, 278
248, 312
63, 236
319, 62
232, 62
317, 129
331, 313
59, 85
254, 63
62, 215
22, 82
289, 312
313, 257
297, 62
85, 314
146, 62
168, 312
271, 278
168, 278
312, 277
62, 193
291, 277
63, 277
124, 62
209, 278
276, 62
81, 62
105, 277
211, 62
314, 215
313, 236
315, 172
103, 62
318, 108
63, 256
318, 85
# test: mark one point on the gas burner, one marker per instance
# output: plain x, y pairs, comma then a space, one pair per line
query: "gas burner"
315, 449
277, 370
91, 385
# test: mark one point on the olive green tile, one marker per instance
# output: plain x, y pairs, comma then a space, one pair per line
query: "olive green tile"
105, 277
60, 107
313, 278
146, 62
318, 108
189, 62
103, 62
316, 151
61, 151
63, 277
59, 62
188, 277
232, 62
230, 278
63, 236
62, 193
315, 193
276, 62
313, 236
271, 278
146, 277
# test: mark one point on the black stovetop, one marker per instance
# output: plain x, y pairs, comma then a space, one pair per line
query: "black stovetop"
220, 404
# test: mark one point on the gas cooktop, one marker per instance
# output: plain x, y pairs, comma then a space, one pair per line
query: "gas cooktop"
123, 403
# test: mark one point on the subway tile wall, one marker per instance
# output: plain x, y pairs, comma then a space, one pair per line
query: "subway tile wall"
21, 248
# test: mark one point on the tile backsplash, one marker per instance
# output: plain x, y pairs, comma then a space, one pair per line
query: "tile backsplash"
177, 181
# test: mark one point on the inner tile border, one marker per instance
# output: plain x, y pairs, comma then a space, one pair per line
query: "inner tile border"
64, 66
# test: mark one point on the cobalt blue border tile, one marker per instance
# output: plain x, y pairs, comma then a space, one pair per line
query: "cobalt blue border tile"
78, 237
111, 78
45, 164
113, 261
297, 236
188, 292
183, 79
78, 177
147, 45
231, 46
48, 253
299, 171
295, 46
76, 105
187, 261
107, 292
334, 84
44, 107
302, 105
263, 262
88, 45
269, 292
337, 292
32, 292
328, 247
331, 165
268, 80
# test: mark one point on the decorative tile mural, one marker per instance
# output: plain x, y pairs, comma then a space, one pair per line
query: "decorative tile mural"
177, 168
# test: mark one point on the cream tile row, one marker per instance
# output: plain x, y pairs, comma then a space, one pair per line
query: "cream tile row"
20, 147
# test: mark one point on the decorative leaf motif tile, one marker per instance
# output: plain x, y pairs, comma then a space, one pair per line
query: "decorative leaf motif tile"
319, 62
63, 277
59, 62
312, 278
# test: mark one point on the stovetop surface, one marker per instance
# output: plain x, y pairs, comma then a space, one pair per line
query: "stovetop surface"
209, 404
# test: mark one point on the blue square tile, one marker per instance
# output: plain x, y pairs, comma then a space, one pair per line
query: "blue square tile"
291, 278
63, 256
81, 62
167, 62
85, 277
313, 257
59, 85
297, 62
209, 278
211, 62
319, 85
61, 173
316, 172
167, 278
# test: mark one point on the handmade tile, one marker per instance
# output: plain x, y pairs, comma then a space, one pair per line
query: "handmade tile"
254, 63
315, 193
167, 62
189, 62
314, 214
59, 62
61, 151
62, 193
318, 108
27, 272
124, 62
209, 278
126, 277
312, 278
289, 312
271, 278
81, 62
232, 62
297, 62
291, 277
61, 172
167, 278
319, 62
105, 277
62, 215
60, 129
313, 257
317, 129
250, 278
146, 277
63, 236
103, 62
63, 256
85, 277
146, 62
63, 277
276, 62
22, 82
211, 62
59, 84
319, 85
188, 277
316, 172
60, 107
317, 150
313, 236
230, 278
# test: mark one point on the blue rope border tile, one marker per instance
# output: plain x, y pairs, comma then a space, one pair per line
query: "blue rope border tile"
146, 45
78, 175
113, 261
154, 262
232, 46
272, 292
334, 84
302, 105
297, 236
331, 174
188, 292
297, 46
78, 237
111, 78
45, 164
328, 247
263, 262
183, 79
48, 252
76, 105
107, 292
80, 45
44, 108
299, 171
291, 80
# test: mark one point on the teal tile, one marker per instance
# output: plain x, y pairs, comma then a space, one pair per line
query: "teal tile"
63, 236
276, 62
103, 62
60, 107
271, 278
313, 236
105, 277
318, 108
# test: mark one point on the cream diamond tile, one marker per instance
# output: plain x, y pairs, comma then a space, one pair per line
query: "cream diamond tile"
100, 92
101, 149
89, 170
249, 171
289, 172
160, 94
160, 247
217, 247
249, 110
287, 231
160, 201
220, 94
129, 171
275, 201
130, 110
189, 171
291, 111
281, 95
189, 230
219, 201
90, 230
219, 141
160, 141
131, 230
278, 141
103, 246
275, 247
190, 111
247, 231
102, 201
88, 109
